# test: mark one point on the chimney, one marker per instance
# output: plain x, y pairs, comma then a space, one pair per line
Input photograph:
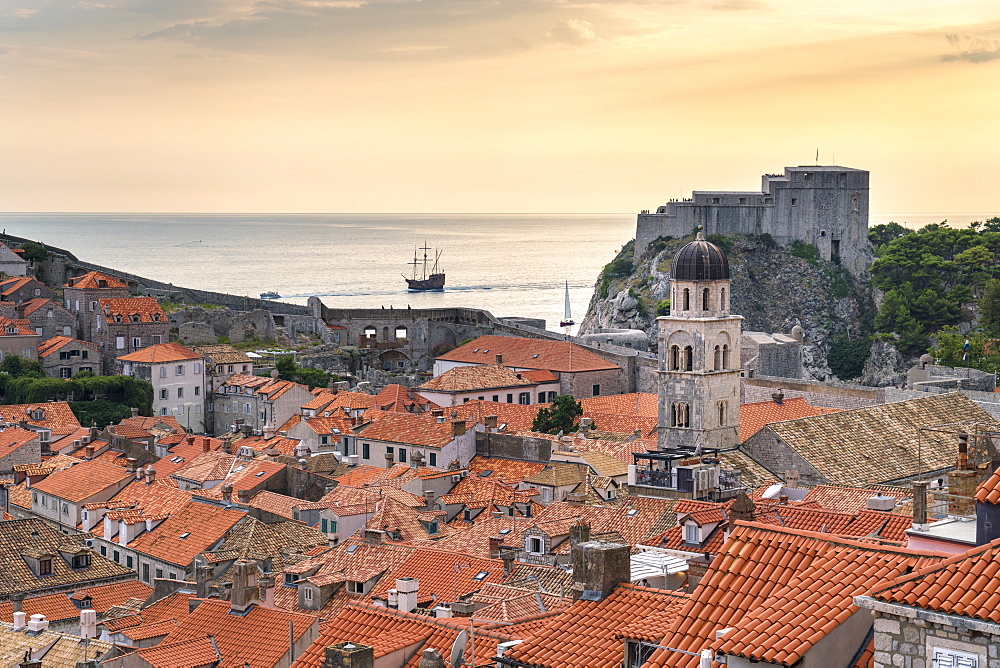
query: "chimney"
348, 655
265, 584
437, 412
879, 502
442, 610
507, 556
130, 464
20, 621
457, 427
578, 533
407, 588
585, 426
389, 457
203, 576
920, 505
499, 358
429, 499
245, 591
598, 567
89, 450
490, 421
963, 452
37, 624
417, 459
17, 599
431, 658
779, 397
135, 412
243, 496
743, 508
495, 543
227, 494
189, 439
783, 499
88, 624
227, 446
463, 608
150, 474
792, 479
268, 432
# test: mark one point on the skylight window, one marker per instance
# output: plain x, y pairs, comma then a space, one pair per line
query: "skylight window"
486, 473
476, 350
185, 535
351, 549
336, 431
504, 532
258, 474
503, 426
632, 513
480, 576
535, 355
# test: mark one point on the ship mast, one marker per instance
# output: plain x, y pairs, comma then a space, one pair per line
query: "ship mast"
425, 248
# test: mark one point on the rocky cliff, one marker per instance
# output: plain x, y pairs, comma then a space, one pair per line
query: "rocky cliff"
774, 288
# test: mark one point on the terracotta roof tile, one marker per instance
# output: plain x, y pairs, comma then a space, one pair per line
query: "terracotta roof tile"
223, 353
54, 414
82, 481
94, 279
161, 353
989, 491
190, 530
640, 404
755, 415
477, 377
521, 353
589, 632
399, 399
146, 309
409, 429
58, 607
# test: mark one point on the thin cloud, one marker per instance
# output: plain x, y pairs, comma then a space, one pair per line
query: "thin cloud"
972, 49
572, 31
20, 13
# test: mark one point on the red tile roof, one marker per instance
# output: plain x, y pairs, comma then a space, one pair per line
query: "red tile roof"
190, 530
967, 584
478, 377
13, 438
521, 353
409, 429
10, 327
191, 653
640, 404
55, 414
442, 575
399, 399
52, 345
58, 607
82, 481
32, 305
780, 591
589, 633
853, 499
989, 491
92, 280
160, 353
510, 417
146, 308
756, 415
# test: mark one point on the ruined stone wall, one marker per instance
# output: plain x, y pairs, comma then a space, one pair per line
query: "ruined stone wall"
826, 395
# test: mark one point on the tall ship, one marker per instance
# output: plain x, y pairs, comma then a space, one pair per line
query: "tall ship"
423, 281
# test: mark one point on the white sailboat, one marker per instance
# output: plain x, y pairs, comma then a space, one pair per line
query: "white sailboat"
567, 320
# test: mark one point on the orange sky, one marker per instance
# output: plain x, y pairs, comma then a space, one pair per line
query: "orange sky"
489, 106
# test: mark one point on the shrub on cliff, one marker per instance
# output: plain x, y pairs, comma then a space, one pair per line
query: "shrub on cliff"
847, 358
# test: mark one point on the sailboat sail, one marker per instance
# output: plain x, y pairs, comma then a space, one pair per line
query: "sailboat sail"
567, 317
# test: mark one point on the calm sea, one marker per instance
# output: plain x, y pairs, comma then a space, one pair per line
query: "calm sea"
509, 264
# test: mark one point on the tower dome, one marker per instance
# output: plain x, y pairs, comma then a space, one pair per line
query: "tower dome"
700, 260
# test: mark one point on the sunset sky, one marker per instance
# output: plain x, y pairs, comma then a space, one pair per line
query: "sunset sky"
489, 106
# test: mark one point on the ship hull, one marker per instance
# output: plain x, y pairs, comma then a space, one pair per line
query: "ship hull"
433, 283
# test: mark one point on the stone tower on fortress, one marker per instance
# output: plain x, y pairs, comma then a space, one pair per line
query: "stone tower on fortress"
822, 205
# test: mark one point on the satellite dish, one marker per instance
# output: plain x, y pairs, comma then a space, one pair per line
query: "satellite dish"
458, 649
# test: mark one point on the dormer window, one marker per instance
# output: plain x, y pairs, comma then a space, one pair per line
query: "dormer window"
11, 329
118, 318
44, 567
134, 317
692, 533
534, 545
156, 317
81, 561
38, 414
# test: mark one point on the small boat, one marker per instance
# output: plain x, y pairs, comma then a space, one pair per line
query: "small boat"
567, 320
270, 295
422, 281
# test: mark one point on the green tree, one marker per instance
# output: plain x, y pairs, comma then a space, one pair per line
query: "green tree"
288, 369
34, 251
17, 367
882, 234
989, 308
847, 358
101, 412
559, 416
983, 352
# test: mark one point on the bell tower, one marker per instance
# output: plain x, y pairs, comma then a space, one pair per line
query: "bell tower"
699, 353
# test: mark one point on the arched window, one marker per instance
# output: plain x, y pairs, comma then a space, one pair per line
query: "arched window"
718, 358
688, 358
722, 300
674, 363
725, 356
400, 332
687, 299
370, 331
684, 415
673, 415
704, 299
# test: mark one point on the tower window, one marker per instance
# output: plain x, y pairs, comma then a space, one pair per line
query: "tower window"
718, 358
725, 356
675, 358
688, 358
704, 299
680, 415
722, 300
687, 299
722, 413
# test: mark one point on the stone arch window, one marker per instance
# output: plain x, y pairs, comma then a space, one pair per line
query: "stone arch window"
385, 333
680, 415
855, 203
687, 299
370, 331
725, 356
704, 299
688, 358
401, 332
674, 361
718, 359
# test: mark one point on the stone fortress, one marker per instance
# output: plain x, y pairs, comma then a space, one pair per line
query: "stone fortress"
825, 205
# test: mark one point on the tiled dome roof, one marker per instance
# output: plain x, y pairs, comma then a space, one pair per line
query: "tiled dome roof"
700, 261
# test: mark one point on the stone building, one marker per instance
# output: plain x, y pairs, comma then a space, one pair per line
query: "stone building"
48, 318
16, 339
19, 290
125, 325
699, 344
822, 205
254, 403
64, 356
82, 294
11, 262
